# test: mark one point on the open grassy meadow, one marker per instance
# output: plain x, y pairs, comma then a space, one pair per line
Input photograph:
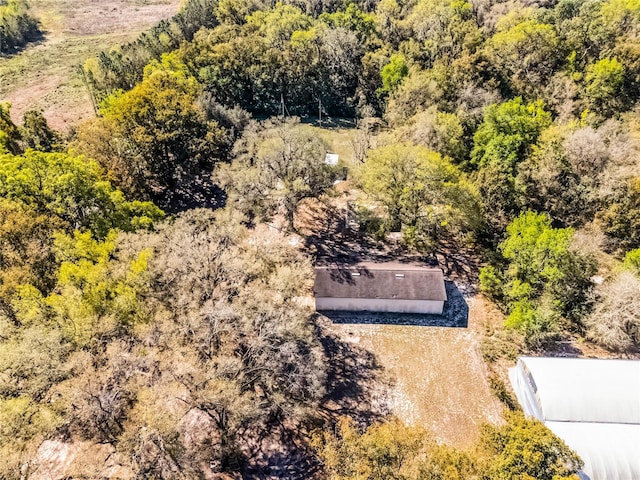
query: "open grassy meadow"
43, 76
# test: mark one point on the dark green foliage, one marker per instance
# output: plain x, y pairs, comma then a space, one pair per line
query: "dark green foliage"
37, 135
621, 218
508, 132
17, 26
544, 280
9, 133
280, 55
156, 136
501, 143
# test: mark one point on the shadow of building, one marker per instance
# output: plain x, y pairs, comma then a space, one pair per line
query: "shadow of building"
454, 315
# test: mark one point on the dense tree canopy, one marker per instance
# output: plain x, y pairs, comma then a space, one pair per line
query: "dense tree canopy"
72, 190
219, 326
504, 132
154, 134
277, 166
544, 280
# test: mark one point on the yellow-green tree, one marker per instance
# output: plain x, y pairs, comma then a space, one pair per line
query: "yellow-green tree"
424, 195
73, 191
526, 449
155, 134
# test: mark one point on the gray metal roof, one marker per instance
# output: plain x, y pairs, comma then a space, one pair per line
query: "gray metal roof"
380, 280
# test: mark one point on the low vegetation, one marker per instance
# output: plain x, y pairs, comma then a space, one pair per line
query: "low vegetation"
520, 449
17, 25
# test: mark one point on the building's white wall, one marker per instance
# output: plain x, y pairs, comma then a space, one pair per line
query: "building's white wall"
380, 305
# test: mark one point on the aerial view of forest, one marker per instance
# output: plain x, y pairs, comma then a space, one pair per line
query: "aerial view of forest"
165, 196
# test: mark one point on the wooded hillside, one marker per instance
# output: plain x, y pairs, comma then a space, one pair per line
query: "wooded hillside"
147, 309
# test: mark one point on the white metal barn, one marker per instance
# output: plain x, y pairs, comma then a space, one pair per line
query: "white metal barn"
380, 287
592, 404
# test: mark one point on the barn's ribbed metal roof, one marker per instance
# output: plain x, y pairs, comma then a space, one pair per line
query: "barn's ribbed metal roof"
585, 389
592, 404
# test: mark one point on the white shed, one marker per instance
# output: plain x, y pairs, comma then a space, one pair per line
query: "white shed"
380, 287
592, 404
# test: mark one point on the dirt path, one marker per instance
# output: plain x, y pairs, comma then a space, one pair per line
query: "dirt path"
439, 379
43, 76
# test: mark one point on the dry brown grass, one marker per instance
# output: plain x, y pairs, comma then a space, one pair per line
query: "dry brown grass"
439, 378
43, 76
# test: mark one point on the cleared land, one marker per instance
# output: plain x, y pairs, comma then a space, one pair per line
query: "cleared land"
437, 377
43, 76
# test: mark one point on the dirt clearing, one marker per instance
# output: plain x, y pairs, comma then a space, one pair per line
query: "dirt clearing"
437, 376
43, 76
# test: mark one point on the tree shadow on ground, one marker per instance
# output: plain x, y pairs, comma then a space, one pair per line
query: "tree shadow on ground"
333, 239
38, 38
356, 387
192, 191
455, 314
356, 384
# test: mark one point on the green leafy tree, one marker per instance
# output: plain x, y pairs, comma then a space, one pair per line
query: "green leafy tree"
507, 132
501, 142
352, 18
37, 134
424, 195
544, 280
392, 74
527, 52
389, 450
162, 133
445, 29
603, 85
26, 239
621, 216
72, 190
9, 133
526, 449
92, 300
278, 166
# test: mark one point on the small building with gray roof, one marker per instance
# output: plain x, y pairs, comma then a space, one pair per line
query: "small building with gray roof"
380, 287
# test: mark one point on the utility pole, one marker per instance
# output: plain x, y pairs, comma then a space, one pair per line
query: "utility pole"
319, 111
282, 104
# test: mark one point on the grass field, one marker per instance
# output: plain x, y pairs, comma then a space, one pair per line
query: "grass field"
43, 76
